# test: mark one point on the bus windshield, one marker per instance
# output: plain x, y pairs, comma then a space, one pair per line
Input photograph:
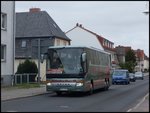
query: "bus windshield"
67, 61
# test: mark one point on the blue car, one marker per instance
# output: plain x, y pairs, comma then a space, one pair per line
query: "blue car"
120, 76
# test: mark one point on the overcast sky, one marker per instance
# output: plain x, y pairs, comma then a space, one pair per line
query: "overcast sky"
121, 22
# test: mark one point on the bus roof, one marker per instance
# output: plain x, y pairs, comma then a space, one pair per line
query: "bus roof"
70, 46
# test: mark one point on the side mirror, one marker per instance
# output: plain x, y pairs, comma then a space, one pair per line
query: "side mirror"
83, 56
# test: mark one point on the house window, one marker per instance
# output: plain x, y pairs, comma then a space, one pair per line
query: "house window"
3, 52
105, 43
65, 43
58, 42
24, 43
3, 21
109, 45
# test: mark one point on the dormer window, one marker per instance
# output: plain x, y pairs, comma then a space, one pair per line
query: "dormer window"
55, 25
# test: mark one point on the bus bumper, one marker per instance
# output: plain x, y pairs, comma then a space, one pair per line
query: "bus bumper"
65, 89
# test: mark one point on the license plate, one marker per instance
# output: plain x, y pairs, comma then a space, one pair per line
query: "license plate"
63, 89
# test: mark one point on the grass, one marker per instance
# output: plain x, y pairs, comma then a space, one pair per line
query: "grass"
25, 85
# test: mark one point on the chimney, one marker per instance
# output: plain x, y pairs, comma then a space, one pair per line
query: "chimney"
77, 24
80, 25
32, 10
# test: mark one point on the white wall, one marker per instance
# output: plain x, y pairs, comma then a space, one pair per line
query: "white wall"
146, 64
7, 38
61, 42
81, 37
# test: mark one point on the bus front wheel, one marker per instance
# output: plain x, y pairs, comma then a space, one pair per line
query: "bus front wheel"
107, 84
91, 89
58, 93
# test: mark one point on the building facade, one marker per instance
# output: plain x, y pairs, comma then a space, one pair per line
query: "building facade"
121, 52
139, 59
81, 36
146, 63
36, 29
7, 41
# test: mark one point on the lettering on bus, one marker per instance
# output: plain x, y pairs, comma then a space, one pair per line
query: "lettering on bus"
55, 71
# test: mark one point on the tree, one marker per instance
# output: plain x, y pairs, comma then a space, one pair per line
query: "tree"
28, 67
130, 61
130, 56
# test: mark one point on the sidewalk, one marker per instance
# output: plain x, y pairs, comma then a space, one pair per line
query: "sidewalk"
12, 93
142, 106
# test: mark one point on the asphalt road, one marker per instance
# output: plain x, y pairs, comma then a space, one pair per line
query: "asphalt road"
119, 98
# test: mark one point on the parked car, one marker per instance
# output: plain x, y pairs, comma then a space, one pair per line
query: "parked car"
132, 77
120, 76
139, 75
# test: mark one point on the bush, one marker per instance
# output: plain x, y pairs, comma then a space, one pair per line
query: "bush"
28, 67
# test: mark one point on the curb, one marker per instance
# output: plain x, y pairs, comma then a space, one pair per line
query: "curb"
20, 93
26, 96
22, 97
141, 102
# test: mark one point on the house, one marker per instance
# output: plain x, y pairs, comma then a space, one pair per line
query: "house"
142, 60
82, 36
109, 47
36, 29
146, 63
7, 42
121, 52
139, 59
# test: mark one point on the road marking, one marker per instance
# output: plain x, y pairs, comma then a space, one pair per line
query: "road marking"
64, 106
129, 110
11, 111
138, 103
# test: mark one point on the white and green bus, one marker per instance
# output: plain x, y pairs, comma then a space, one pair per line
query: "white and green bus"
77, 69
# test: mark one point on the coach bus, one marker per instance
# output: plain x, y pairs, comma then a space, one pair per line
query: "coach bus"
77, 69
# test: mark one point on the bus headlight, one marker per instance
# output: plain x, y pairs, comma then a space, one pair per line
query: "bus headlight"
49, 84
79, 84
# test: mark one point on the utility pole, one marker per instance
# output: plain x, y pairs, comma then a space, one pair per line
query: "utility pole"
39, 57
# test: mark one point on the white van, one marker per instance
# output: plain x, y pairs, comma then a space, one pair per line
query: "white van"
139, 75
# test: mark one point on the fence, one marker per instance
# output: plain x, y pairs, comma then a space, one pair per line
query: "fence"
25, 78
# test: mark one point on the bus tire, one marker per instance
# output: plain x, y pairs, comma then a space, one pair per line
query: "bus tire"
107, 84
58, 93
91, 89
